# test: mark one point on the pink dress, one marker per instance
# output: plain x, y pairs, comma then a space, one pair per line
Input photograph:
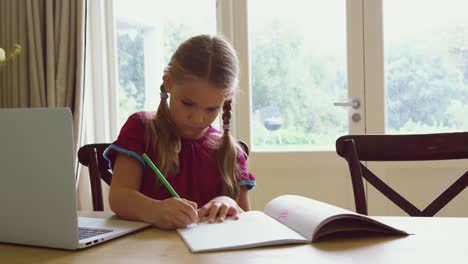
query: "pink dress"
198, 181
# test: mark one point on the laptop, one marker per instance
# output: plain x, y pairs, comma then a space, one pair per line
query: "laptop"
37, 184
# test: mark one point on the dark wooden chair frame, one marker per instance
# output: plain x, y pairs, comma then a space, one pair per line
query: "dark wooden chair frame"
415, 147
91, 156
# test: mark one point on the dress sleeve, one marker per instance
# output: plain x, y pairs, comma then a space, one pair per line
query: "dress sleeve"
245, 178
131, 140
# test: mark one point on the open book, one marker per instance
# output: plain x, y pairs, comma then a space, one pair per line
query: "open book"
286, 219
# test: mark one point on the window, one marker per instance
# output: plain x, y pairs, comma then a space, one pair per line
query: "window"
298, 70
298, 64
147, 34
426, 65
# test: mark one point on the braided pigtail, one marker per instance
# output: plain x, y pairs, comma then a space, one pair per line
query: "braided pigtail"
161, 134
227, 156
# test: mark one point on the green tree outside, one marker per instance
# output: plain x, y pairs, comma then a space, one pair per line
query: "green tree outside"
427, 88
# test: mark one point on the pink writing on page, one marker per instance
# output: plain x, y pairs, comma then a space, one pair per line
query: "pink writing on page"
283, 214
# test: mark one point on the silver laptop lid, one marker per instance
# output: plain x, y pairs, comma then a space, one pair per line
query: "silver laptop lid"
37, 180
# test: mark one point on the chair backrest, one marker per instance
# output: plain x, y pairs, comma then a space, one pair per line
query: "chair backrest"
91, 156
415, 147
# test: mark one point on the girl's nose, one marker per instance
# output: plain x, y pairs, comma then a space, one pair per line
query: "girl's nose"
198, 119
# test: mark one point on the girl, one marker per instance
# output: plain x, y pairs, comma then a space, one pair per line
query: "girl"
207, 168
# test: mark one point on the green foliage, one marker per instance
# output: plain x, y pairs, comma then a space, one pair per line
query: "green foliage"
130, 50
413, 127
290, 82
426, 89
175, 33
131, 72
458, 114
422, 82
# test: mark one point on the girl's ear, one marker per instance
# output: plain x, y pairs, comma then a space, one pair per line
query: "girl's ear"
167, 81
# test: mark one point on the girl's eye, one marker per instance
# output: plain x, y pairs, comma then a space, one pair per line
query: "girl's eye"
212, 110
185, 103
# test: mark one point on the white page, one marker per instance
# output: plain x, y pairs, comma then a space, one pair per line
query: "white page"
253, 228
301, 214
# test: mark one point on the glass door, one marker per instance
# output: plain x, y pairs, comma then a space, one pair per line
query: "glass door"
416, 64
305, 69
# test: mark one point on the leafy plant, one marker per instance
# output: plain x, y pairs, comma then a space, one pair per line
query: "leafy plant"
4, 57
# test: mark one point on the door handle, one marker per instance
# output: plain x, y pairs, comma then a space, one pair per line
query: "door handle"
354, 104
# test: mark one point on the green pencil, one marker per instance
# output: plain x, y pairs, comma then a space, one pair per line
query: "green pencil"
160, 175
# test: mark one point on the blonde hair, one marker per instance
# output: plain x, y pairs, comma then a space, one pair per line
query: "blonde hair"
210, 58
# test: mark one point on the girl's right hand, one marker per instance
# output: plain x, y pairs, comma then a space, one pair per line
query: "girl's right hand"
175, 213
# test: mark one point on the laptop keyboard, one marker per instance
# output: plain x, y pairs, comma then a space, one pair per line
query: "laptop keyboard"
86, 232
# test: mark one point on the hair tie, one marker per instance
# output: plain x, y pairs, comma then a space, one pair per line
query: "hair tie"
227, 127
164, 95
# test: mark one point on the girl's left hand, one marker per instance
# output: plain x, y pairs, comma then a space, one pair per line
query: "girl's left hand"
218, 208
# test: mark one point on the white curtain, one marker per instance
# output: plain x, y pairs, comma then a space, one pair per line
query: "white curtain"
100, 99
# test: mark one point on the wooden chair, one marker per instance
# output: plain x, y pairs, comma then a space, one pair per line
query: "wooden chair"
417, 147
91, 156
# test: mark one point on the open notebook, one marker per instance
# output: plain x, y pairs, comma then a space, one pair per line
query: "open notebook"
286, 219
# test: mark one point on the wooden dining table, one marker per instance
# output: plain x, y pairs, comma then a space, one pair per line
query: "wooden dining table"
432, 240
